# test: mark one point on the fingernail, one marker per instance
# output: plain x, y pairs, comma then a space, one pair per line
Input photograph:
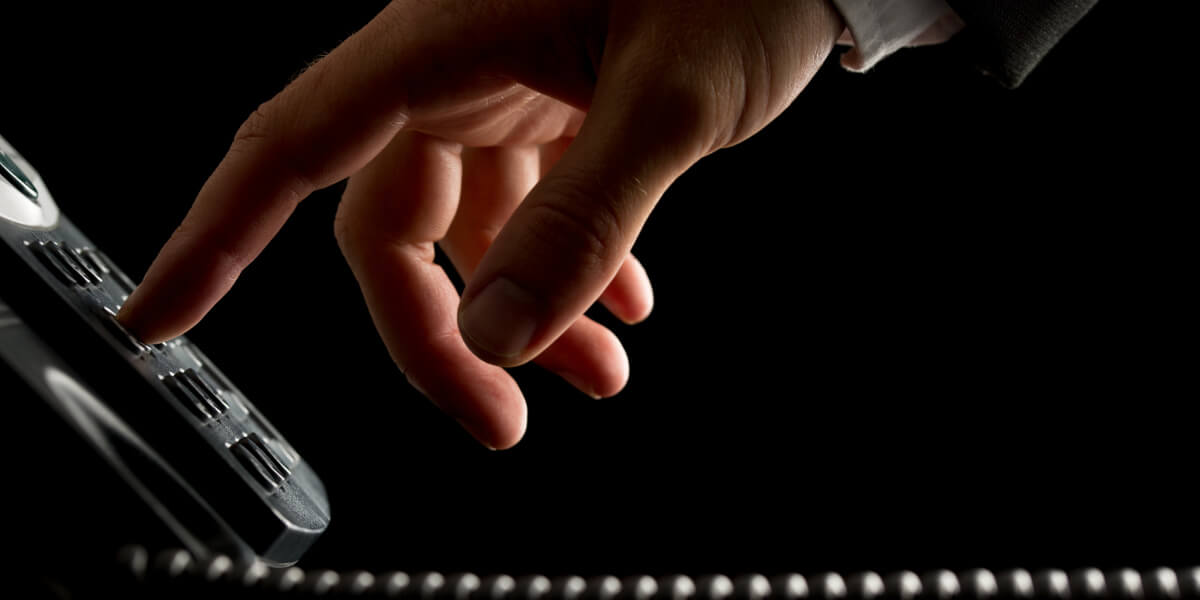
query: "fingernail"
473, 427
580, 383
501, 319
127, 315
474, 430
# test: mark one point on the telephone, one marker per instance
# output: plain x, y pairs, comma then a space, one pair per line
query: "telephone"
154, 441
162, 418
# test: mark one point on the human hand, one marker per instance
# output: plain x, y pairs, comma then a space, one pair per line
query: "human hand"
463, 123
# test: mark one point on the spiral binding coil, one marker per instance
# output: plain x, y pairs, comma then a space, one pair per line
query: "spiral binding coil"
176, 574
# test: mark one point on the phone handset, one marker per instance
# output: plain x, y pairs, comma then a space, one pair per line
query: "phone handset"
166, 421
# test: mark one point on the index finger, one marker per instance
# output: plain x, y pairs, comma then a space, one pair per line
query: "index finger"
326, 125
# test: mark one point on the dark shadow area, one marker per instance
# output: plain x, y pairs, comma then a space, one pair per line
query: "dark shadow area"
919, 321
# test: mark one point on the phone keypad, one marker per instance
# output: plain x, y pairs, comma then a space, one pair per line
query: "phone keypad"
65, 264
260, 461
195, 394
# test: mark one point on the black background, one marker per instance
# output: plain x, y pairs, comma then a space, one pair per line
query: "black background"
918, 321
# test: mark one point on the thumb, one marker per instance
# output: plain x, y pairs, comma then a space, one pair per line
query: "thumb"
566, 241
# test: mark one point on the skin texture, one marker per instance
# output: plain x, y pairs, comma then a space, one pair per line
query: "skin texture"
530, 139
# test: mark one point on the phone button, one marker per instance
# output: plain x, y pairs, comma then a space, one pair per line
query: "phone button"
65, 263
260, 462
108, 318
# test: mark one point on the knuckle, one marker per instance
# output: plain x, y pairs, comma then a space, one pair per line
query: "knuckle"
697, 121
256, 128
264, 136
230, 262
691, 90
341, 227
222, 258
347, 228
578, 226
704, 108
687, 111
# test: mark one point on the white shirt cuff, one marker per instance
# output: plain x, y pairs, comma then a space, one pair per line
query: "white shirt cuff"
881, 27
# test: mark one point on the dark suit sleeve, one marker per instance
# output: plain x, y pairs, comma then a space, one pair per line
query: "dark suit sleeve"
1010, 37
